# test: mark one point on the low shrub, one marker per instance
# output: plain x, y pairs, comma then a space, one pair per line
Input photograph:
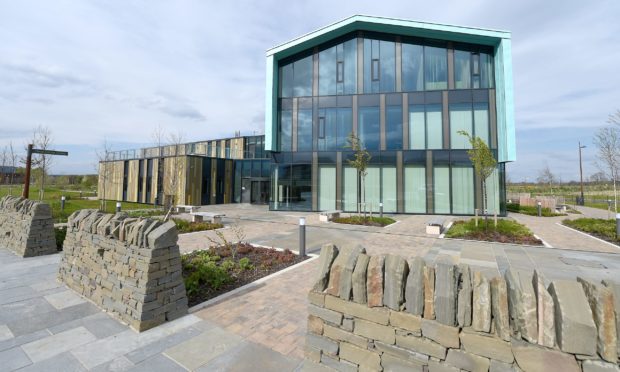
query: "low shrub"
60, 233
507, 231
531, 211
185, 226
605, 229
365, 221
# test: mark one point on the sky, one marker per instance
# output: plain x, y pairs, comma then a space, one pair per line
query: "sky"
114, 71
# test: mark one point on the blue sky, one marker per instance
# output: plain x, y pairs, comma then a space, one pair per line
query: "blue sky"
115, 70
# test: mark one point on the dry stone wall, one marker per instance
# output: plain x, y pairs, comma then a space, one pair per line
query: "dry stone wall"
374, 313
130, 267
26, 227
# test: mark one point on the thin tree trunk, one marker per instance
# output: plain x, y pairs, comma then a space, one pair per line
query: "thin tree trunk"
615, 196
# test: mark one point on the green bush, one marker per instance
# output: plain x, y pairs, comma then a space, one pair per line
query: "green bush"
531, 211
507, 231
605, 229
368, 221
205, 271
60, 234
185, 226
245, 264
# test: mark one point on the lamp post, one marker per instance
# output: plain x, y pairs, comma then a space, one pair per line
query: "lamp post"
581, 173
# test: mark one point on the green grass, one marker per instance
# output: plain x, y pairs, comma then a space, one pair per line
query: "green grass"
531, 211
185, 226
72, 203
604, 229
507, 231
368, 221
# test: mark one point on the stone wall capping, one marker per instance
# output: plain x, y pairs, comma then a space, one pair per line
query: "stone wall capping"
451, 317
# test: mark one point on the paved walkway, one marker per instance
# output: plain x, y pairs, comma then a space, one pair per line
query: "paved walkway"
44, 326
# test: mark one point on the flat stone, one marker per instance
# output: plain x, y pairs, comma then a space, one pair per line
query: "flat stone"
406, 321
342, 271
376, 315
325, 314
467, 361
328, 254
338, 334
405, 354
315, 325
64, 299
414, 289
374, 281
368, 359
574, 325
497, 366
487, 346
499, 307
396, 270
545, 311
464, 301
530, 357
615, 288
522, 304
163, 236
337, 364
601, 300
316, 298
396, 364
13, 359
434, 366
5, 333
599, 366
374, 331
429, 292
445, 335
481, 314
53, 345
322, 343
445, 293
249, 356
359, 279
421, 345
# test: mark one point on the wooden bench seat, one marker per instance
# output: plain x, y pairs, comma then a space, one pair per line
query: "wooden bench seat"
326, 216
210, 216
435, 226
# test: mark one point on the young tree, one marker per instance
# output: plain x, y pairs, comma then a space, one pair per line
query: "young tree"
106, 170
175, 141
42, 140
3, 165
158, 137
607, 140
483, 161
13, 164
546, 176
360, 161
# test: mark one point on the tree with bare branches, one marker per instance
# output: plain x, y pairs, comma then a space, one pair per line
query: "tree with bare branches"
607, 140
546, 177
3, 165
175, 141
106, 170
13, 164
42, 140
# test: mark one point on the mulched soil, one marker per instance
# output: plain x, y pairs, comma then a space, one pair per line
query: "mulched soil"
493, 236
266, 261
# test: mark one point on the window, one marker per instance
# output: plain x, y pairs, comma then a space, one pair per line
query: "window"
415, 188
486, 70
462, 69
481, 121
297, 78
304, 130
335, 124
388, 188
394, 128
327, 187
425, 127
435, 68
441, 189
460, 119
412, 67
322, 127
379, 66
369, 127
462, 190
338, 69
286, 130
349, 189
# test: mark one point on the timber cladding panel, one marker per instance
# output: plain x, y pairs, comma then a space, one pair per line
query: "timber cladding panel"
193, 187
175, 176
132, 181
110, 180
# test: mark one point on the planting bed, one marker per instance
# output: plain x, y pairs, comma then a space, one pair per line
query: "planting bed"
507, 231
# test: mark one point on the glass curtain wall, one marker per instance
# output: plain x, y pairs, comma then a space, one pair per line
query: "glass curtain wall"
304, 130
379, 66
296, 78
286, 130
460, 119
349, 189
462, 189
481, 121
435, 68
335, 124
415, 188
388, 188
412, 67
372, 188
369, 127
425, 127
338, 69
327, 187
394, 128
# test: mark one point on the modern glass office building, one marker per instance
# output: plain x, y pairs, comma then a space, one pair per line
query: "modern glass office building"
405, 89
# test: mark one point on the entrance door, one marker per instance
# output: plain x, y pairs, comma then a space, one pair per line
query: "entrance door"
246, 191
256, 191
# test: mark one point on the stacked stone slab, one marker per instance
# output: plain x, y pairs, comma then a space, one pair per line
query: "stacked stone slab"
26, 227
516, 322
130, 267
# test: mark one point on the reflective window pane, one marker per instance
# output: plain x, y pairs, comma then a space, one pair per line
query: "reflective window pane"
415, 189
460, 119
462, 190
462, 69
286, 130
434, 127
369, 127
286, 77
394, 128
302, 71
304, 130
327, 72
481, 121
379, 66
417, 127
388, 188
388, 66
349, 189
486, 71
412, 67
435, 68
441, 189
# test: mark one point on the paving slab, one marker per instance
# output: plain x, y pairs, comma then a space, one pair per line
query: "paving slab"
55, 344
5, 333
201, 349
115, 365
64, 299
248, 356
64, 362
157, 363
13, 359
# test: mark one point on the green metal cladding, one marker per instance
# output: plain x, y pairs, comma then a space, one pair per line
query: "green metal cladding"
500, 40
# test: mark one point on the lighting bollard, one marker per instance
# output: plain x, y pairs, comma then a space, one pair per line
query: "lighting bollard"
302, 236
62, 203
608, 208
617, 225
381, 209
118, 207
539, 204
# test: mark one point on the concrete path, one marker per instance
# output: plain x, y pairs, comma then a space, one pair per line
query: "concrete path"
44, 326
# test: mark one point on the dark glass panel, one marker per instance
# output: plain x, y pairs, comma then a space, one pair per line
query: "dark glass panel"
369, 127
394, 128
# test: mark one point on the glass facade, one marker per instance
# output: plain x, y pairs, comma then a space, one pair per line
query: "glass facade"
406, 99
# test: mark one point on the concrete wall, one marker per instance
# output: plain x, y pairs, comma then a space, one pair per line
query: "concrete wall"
129, 267
26, 227
388, 313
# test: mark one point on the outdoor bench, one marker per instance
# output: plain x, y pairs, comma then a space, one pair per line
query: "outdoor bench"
326, 216
212, 217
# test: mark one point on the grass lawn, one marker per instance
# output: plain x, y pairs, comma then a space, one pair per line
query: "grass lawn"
531, 211
603, 229
72, 203
368, 221
507, 231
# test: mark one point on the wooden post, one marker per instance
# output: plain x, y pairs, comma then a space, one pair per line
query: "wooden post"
476, 216
26, 191
495, 218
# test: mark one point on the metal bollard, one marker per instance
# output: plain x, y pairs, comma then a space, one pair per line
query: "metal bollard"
118, 207
302, 236
608, 208
381, 209
476, 217
539, 204
62, 203
617, 225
